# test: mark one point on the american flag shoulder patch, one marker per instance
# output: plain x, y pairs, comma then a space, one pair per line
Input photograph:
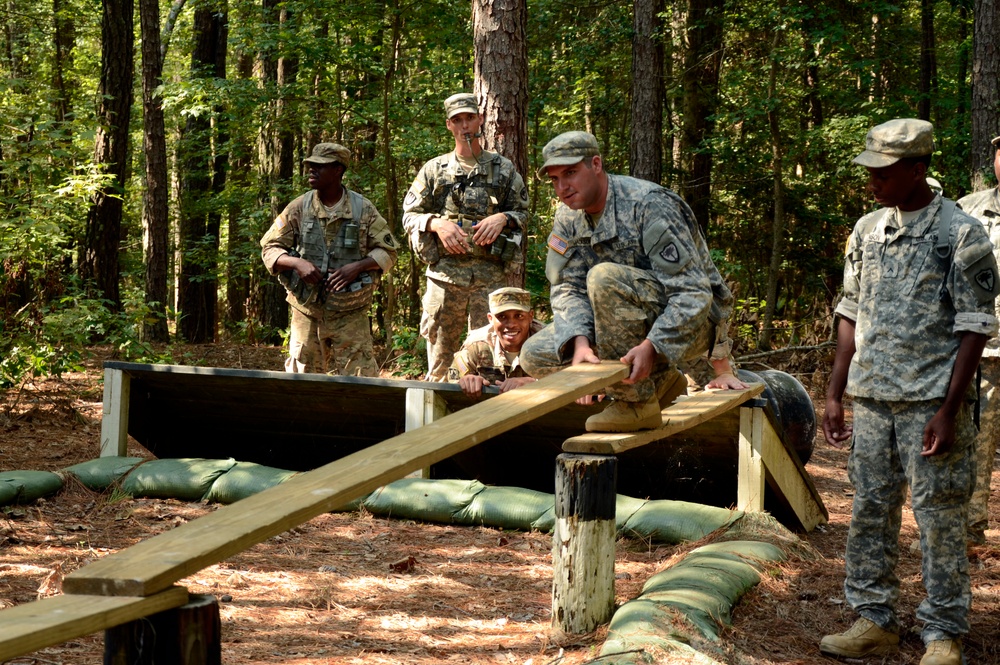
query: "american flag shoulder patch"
557, 244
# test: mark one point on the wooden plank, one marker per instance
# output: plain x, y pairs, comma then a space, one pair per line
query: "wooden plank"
683, 414
787, 477
42, 623
155, 564
114, 420
750, 475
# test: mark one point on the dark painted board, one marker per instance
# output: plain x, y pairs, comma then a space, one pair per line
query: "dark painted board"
302, 421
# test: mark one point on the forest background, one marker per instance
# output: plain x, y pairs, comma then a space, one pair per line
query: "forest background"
144, 149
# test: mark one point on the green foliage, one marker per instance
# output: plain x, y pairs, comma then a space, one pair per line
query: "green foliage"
408, 357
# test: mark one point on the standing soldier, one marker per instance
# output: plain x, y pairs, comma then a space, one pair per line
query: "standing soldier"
985, 206
328, 248
465, 215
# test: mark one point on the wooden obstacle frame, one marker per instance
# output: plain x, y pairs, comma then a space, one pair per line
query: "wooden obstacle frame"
140, 581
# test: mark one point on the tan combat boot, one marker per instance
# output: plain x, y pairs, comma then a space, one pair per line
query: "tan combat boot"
864, 638
673, 386
626, 417
943, 652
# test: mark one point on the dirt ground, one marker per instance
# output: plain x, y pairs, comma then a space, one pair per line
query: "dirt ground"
325, 592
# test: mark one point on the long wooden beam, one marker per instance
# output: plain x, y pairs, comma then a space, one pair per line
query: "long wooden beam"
41, 623
682, 415
154, 564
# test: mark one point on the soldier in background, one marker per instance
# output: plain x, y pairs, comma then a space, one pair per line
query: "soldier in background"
489, 355
328, 248
985, 206
919, 284
465, 215
632, 279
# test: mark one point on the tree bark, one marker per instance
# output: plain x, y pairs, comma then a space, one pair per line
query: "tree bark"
985, 89
63, 39
199, 223
646, 151
99, 253
779, 222
155, 219
239, 240
928, 60
501, 86
702, 61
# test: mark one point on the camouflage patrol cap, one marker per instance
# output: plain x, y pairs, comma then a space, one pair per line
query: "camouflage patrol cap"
329, 153
567, 148
996, 142
461, 102
897, 139
935, 185
509, 297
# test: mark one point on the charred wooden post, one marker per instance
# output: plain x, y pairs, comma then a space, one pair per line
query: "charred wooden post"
583, 542
187, 635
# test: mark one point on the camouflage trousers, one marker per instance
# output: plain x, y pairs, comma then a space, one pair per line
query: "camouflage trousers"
449, 311
986, 442
337, 343
626, 302
885, 460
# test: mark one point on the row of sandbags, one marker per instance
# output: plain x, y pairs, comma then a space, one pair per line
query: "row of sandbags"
692, 598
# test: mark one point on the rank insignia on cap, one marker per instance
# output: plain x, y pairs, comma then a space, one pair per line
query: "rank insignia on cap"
670, 253
557, 244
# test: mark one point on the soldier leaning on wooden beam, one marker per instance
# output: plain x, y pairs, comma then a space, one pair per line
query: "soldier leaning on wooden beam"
632, 279
985, 206
466, 215
490, 355
328, 248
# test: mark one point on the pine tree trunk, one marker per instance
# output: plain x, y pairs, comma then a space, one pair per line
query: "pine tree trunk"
646, 152
985, 89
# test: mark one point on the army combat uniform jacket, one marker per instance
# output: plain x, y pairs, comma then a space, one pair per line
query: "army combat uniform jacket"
985, 206
442, 189
651, 228
482, 354
374, 240
908, 306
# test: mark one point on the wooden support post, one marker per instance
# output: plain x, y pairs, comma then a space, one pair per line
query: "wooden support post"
583, 543
751, 475
187, 635
422, 408
114, 418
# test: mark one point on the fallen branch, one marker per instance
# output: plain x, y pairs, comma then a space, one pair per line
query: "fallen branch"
772, 352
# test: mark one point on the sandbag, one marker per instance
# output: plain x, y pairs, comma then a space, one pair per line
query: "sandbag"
245, 479
101, 473
27, 486
187, 479
423, 499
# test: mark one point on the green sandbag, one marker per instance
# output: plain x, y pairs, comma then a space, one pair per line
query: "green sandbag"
101, 473
423, 499
245, 479
625, 508
678, 521
750, 550
733, 576
26, 486
505, 507
187, 479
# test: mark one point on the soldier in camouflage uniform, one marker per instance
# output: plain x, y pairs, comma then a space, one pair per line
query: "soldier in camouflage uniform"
489, 355
919, 284
465, 215
328, 248
631, 278
985, 206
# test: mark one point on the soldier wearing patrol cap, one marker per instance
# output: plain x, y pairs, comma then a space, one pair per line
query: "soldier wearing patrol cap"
631, 278
328, 248
920, 280
985, 206
465, 216
489, 355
